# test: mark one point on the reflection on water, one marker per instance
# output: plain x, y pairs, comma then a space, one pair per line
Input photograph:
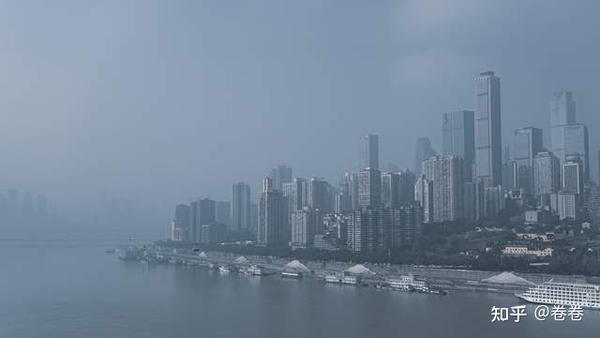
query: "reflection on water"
76, 290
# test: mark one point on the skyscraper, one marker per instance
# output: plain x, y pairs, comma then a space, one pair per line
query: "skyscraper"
459, 138
223, 213
446, 175
488, 129
423, 152
293, 192
546, 173
303, 228
407, 187
405, 224
281, 174
390, 190
572, 175
273, 226
369, 188
241, 212
567, 136
370, 151
424, 196
202, 212
181, 223
316, 194
527, 142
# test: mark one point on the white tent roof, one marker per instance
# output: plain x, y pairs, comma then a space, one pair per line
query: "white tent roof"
202, 255
359, 269
296, 265
507, 278
241, 260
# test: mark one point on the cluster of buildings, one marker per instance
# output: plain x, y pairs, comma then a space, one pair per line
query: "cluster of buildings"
376, 211
25, 207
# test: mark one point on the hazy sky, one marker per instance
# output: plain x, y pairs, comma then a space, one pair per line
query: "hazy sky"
154, 102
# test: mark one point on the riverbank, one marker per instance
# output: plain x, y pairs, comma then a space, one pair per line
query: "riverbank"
439, 277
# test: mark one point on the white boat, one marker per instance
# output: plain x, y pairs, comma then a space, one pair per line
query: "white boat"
352, 280
407, 283
333, 279
255, 270
569, 294
291, 274
223, 269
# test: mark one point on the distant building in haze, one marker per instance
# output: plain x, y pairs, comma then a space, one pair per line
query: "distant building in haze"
223, 213
181, 229
390, 189
446, 175
407, 187
241, 207
273, 226
424, 150
572, 176
424, 196
546, 173
303, 228
370, 152
202, 212
369, 188
281, 174
527, 142
567, 136
459, 138
488, 129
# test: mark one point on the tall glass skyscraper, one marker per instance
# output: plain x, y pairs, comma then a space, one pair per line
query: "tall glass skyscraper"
488, 130
527, 142
567, 136
370, 152
424, 150
459, 138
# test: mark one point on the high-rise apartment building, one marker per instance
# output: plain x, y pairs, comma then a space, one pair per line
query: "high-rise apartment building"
241, 213
303, 228
572, 176
424, 196
390, 189
369, 188
273, 221
446, 175
546, 173
407, 187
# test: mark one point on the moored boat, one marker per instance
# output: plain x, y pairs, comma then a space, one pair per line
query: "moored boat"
568, 294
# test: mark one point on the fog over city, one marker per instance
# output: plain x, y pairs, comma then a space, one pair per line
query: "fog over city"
117, 111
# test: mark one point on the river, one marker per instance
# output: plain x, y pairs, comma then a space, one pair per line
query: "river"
73, 289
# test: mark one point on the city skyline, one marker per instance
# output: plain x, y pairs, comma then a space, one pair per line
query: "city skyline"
220, 103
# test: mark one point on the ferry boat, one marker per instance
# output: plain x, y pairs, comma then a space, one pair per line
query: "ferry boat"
255, 270
351, 280
333, 279
291, 274
410, 284
406, 283
569, 294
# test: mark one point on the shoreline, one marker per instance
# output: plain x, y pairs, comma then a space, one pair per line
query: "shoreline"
439, 277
